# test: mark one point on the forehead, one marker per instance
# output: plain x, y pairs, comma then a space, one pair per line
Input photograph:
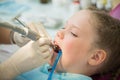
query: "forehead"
83, 20
80, 18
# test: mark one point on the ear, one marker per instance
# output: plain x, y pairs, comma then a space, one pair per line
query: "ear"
97, 57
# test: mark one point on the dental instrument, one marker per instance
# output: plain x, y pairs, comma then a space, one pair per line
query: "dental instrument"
16, 18
26, 32
22, 30
54, 65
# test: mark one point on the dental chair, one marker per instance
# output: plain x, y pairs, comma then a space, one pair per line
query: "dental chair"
116, 14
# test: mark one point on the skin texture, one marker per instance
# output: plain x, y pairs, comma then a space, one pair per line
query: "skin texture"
4, 36
76, 42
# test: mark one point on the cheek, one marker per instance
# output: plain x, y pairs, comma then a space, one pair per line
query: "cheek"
68, 46
71, 46
69, 59
73, 49
69, 51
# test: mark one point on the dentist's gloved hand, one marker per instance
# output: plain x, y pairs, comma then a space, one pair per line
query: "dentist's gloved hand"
18, 39
32, 55
21, 40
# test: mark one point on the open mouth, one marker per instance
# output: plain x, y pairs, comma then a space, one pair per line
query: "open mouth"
56, 48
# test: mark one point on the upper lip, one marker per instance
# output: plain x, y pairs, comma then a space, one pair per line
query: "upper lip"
55, 43
57, 46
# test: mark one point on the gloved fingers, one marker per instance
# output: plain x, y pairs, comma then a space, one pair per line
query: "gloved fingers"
42, 31
43, 41
32, 27
18, 39
46, 54
44, 48
39, 28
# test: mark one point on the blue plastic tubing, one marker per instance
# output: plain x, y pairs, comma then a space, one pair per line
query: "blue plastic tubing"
54, 65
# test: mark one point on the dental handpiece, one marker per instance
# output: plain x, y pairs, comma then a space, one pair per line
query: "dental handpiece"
25, 32
22, 30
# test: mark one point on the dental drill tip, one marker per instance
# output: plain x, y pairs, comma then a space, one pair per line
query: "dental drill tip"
55, 48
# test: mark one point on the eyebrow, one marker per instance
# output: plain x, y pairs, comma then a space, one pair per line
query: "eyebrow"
71, 25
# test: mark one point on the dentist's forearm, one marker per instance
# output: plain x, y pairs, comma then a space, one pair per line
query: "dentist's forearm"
7, 71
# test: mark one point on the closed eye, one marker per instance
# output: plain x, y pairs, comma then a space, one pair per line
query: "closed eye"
74, 34
63, 28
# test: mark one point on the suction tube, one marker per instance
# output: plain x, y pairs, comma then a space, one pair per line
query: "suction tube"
54, 65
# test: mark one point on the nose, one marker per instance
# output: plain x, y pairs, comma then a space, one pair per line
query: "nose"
60, 34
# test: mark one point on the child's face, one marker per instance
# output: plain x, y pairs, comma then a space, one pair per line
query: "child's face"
75, 41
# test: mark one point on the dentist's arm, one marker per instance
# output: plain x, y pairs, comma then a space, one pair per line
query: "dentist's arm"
30, 56
26, 58
4, 39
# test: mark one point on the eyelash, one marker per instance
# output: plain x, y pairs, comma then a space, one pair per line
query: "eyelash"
62, 28
72, 33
